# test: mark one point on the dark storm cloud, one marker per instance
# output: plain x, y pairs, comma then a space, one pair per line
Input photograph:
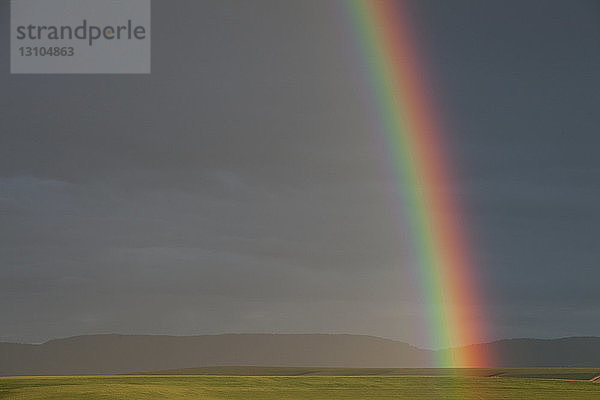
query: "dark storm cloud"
238, 188
519, 81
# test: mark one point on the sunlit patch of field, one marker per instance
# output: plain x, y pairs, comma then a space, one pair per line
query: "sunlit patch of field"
545, 373
293, 387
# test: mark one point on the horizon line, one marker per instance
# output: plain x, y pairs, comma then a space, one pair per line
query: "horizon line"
296, 334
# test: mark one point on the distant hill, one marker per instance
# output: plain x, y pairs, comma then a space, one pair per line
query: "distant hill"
566, 352
102, 354
106, 354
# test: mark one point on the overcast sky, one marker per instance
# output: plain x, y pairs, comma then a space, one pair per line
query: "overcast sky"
239, 188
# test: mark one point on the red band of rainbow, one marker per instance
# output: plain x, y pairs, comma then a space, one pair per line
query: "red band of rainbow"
423, 172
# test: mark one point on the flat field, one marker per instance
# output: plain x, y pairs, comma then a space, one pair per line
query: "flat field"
582, 374
293, 387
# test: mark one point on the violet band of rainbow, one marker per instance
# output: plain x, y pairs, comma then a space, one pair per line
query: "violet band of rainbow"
425, 178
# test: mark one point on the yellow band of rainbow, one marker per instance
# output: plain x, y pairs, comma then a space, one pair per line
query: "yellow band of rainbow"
424, 175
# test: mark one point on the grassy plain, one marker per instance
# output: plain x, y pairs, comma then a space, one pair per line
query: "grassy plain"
544, 373
150, 387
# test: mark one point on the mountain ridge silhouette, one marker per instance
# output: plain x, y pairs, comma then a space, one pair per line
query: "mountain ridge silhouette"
116, 353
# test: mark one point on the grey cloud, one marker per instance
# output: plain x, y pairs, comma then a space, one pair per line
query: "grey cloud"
243, 186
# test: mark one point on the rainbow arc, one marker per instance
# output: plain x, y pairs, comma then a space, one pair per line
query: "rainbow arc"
423, 171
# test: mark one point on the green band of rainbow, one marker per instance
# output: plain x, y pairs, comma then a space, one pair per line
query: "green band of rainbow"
424, 178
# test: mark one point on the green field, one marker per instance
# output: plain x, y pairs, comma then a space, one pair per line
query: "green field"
582, 374
293, 387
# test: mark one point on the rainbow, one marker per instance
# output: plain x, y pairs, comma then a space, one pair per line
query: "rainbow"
422, 170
